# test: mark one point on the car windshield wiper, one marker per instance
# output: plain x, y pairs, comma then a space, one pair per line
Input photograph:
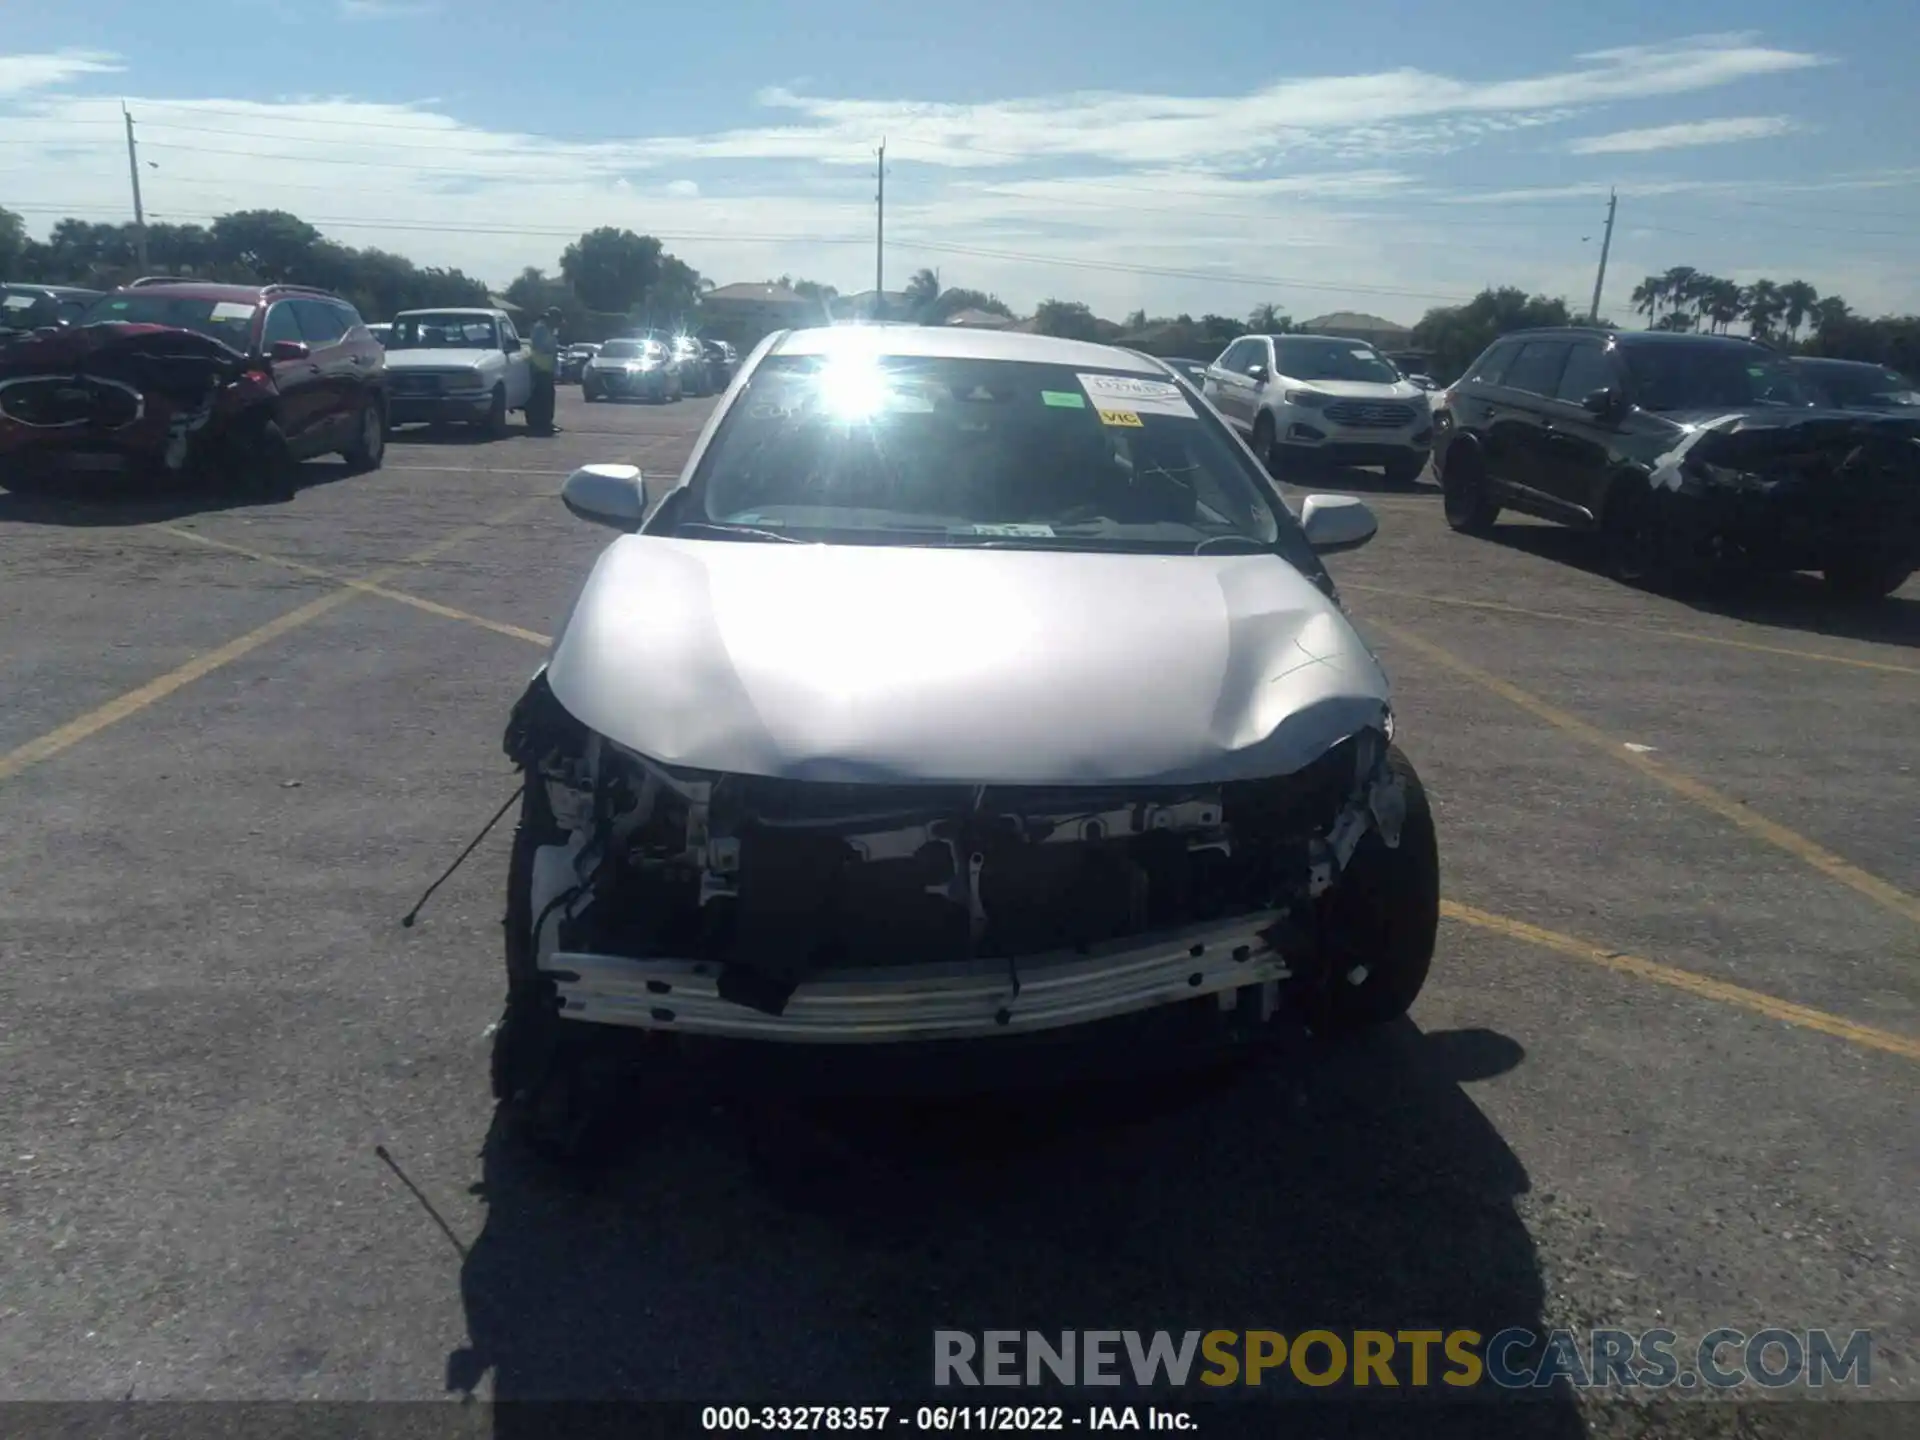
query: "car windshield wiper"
742, 532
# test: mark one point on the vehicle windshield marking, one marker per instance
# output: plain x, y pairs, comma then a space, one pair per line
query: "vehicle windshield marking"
442, 332
937, 450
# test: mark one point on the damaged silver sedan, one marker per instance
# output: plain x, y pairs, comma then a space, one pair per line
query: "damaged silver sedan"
969, 689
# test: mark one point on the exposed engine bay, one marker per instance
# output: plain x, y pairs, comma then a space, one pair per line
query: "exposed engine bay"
775, 880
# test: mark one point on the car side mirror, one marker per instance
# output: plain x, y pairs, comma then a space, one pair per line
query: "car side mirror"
287, 351
611, 495
1337, 522
1603, 403
1257, 372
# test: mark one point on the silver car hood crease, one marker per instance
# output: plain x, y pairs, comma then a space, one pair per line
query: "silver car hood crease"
884, 664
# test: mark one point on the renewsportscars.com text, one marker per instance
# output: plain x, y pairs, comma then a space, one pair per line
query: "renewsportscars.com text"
1513, 1359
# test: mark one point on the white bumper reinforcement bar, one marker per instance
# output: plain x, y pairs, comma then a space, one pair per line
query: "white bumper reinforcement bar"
927, 1002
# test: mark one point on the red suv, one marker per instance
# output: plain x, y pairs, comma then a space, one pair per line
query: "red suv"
169, 377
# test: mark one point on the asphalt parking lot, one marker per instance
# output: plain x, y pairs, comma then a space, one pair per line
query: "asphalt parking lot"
1665, 1072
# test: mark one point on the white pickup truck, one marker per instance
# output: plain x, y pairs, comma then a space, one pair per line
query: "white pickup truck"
467, 365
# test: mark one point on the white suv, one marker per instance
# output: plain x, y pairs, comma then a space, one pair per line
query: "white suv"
1319, 397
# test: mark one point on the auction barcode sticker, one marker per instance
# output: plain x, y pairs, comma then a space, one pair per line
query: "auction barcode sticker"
1142, 397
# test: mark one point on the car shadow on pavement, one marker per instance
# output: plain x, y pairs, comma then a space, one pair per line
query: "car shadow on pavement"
1794, 601
450, 434
793, 1250
107, 506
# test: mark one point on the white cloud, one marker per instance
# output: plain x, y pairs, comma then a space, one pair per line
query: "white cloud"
1316, 193
20, 74
1689, 133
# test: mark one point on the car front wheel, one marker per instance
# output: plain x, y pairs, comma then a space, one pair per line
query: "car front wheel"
555, 1098
1382, 920
1463, 494
1867, 577
369, 448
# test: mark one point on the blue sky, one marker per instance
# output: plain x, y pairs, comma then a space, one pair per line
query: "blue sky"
1207, 156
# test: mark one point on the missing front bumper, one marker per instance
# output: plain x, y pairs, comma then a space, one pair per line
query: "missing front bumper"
920, 1003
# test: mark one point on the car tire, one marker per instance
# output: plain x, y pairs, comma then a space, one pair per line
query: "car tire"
1866, 578
1639, 547
1262, 442
495, 425
368, 452
262, 462
1382, 920
1463, 494
588, 394
554, 1098
1407, 471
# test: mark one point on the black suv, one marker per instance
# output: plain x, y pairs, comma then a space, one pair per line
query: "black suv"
1687, 453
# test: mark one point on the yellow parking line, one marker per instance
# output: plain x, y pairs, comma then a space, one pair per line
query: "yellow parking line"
431, 607
1695, 636
1694, 984
64, 737
1873, 887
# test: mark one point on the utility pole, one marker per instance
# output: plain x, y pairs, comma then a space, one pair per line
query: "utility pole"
1606, 243
133, 169
880, 236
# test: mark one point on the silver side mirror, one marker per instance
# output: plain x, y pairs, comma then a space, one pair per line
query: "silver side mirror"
611, 495
1337, 522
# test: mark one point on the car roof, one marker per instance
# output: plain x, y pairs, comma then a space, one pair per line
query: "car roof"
453, 310
37, 288
1831, 362
960, 342
1329, 339
209, 290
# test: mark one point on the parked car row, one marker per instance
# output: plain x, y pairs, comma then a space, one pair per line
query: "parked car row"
651, 366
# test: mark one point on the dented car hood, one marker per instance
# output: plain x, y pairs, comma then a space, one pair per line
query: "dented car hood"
883, 664
157, 356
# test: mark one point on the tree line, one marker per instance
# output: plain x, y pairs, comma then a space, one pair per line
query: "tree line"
611, 277
604, 277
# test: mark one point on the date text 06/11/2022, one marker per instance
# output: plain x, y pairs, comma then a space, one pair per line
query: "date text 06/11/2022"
942, 1417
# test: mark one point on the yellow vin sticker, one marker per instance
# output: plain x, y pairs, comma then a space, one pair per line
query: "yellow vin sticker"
1122, 417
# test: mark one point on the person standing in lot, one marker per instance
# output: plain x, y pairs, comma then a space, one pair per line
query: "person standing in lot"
543, 362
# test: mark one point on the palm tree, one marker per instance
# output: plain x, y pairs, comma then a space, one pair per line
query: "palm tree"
1829, 313
921, 292
1648, 296
1722, 304
1760, 304
1797, 299
1267, 319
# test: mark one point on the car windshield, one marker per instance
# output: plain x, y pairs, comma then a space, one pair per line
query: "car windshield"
1866, 385
229, 321
919, 450
25, 309
1680, 376
1332, 360
625, 350
427, 331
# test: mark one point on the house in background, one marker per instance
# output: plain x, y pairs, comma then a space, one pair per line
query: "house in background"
746, 313
981, 320
1350, 325
873, 305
